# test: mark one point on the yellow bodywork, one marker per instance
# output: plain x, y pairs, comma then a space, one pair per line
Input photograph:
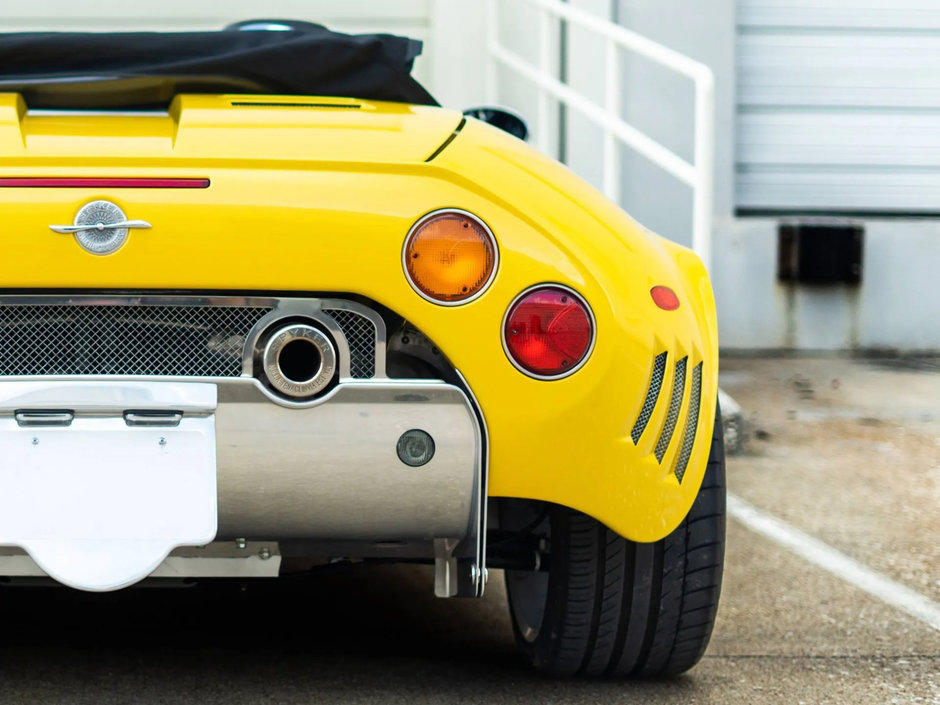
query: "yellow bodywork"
320, 199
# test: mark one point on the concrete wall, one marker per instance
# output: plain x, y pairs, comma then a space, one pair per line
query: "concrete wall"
897, 305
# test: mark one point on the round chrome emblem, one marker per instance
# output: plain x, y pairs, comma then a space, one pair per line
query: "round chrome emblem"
100, 227
102, 238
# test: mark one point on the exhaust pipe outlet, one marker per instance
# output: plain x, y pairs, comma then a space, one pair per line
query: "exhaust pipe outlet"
299, 360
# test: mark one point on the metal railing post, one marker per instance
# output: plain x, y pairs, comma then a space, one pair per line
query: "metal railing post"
612, 102
491, 79
699, 174
703, 194
545, 66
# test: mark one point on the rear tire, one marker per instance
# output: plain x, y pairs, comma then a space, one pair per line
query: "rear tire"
612, 607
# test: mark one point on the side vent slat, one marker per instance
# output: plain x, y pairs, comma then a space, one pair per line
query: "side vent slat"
678, 387
652, 395
691, 424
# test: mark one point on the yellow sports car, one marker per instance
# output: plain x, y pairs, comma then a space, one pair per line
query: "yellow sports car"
265, 307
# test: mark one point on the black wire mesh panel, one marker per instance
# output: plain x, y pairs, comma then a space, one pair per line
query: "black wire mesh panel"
678, 389
652, 395
691, 424
163, 341
360, 336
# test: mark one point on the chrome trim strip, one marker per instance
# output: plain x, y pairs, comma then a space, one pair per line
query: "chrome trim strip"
486, 229
483, 462
587, 354
68, 229
105, 396
219, 559
232, 390
83, 299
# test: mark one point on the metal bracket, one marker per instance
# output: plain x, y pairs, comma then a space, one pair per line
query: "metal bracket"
445, 568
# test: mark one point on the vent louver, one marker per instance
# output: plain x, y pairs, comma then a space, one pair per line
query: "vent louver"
675, 403
691, 424
652, 395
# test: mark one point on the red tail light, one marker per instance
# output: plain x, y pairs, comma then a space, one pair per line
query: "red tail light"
548, 332
665, 298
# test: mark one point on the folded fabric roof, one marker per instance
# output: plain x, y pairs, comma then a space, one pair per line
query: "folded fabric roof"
133, 70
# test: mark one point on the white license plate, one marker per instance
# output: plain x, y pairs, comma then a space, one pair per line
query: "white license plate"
99, 504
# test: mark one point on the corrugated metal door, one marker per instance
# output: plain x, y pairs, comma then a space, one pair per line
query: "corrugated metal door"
838, 106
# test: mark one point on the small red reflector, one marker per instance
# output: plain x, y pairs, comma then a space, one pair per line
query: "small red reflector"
665, 298
548, 332
81, 182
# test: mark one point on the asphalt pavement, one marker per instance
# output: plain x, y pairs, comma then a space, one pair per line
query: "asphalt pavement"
845, 454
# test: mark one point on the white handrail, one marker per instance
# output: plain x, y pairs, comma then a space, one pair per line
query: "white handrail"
698, 175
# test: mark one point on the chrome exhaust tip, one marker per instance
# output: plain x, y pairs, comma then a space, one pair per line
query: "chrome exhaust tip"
299, 360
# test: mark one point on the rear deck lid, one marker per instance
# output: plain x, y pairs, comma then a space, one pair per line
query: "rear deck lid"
222, 129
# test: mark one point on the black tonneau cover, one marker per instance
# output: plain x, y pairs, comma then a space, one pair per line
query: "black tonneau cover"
135, 70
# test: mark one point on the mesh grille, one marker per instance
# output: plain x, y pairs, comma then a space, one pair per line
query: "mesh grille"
360, 336
175, 341
691, 424
652, 395
678, 387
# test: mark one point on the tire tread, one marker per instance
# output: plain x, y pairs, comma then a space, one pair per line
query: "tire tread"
628, 609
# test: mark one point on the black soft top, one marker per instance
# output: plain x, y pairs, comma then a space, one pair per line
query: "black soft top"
137, 70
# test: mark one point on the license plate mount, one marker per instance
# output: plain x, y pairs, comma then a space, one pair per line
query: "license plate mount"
99, 504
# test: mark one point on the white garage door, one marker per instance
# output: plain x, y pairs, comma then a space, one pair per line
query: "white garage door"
838, 106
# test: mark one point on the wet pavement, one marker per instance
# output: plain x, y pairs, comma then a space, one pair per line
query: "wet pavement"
845, 451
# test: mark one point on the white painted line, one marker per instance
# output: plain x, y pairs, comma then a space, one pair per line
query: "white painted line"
840, 565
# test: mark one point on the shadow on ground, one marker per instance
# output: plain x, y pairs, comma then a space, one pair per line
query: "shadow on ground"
375, 634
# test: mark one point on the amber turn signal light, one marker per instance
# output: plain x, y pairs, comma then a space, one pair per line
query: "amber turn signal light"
449, 257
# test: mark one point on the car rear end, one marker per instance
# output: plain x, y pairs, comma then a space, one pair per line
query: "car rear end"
251, 334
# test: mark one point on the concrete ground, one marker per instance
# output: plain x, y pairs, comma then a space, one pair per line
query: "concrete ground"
846, 452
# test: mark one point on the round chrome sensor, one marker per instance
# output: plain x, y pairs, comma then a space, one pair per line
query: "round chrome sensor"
299, 360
